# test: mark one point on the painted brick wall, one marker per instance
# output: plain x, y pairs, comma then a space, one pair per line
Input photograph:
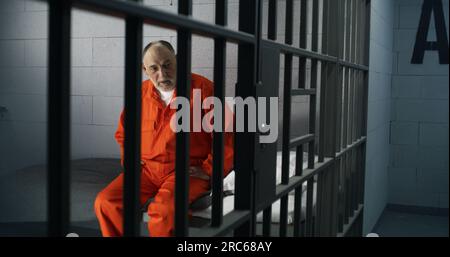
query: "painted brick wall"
379, 111
418, 170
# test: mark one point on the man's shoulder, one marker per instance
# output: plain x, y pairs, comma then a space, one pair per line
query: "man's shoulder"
146, 84
201, 82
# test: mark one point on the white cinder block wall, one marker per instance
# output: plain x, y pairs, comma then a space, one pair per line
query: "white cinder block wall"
23, 80
97, 75
379, 111
418, 172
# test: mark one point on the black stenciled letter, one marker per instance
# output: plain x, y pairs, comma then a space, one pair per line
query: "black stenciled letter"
422, 45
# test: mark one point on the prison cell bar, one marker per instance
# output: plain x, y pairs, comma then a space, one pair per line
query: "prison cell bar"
58, 132
298, 192
132, 143
286, 116
312, 118
302, 43
245, 142
182, 137
218, 140
272, 35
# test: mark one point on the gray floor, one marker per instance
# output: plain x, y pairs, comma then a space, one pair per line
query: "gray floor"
390, 224
401, 224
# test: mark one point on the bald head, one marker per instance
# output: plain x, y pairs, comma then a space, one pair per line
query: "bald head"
159, 64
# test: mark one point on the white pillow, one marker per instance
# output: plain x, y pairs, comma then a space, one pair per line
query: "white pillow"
229, 185
228, 206
228, 182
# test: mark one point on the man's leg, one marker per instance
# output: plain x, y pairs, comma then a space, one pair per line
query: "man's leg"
109, 204
162, 210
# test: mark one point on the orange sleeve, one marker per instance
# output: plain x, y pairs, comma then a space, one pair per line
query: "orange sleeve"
120, 135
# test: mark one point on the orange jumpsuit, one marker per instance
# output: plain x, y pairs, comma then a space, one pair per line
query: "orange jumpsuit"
158, 163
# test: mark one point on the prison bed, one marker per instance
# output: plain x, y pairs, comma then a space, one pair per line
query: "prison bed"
202, 209
25, 193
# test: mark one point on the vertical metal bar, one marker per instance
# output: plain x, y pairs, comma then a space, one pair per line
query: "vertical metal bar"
352, 57
299, 161
347, 172
272, 26
267, 221
331, 94
348, 15
303, 41
339, 51
314, 73
58, 133
286, 116
347, 77
327, 221
351, 108
298, 191
361, 31
309, 224
319, 204
258, 39
353, 34
283, 215
321, 185
343, 213
315, 26
353, 179
184, 47
323, 83
365, 96
132, 143
244, 147
219, 92
345, 107
341, 197
340, 72
303, 23
287, 98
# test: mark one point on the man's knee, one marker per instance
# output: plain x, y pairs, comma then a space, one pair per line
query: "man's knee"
102, 200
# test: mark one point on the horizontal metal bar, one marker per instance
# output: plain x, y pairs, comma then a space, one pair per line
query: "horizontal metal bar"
352, 146
353, 65
351, 221
287, 49
296, 181
303, 92
164, 19
301, 140
230, 221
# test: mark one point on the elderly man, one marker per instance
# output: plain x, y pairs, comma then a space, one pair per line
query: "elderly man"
158, 149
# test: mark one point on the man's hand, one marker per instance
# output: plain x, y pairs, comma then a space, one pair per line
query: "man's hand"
198, 172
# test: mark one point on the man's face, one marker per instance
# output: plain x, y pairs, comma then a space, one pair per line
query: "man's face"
160, 66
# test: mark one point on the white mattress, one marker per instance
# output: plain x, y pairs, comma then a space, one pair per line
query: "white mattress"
228, 201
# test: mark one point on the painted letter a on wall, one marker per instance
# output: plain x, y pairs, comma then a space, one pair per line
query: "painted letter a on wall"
422, 45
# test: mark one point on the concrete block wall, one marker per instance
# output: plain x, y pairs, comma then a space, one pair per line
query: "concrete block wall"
418, 170
379, 111
97, 81
97, 74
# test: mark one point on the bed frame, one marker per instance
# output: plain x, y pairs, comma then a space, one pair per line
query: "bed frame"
338, 70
